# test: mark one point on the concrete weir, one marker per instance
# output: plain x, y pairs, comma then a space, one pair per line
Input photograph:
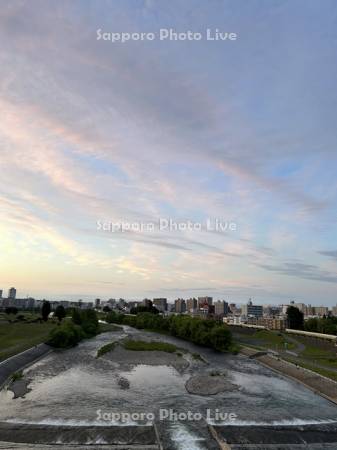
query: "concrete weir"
322, 436
14, 435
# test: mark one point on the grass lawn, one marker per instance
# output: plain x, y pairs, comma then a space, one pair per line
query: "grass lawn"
17, 337
267, 339
325, 372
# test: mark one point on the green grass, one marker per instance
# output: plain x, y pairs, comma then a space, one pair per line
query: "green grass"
325, 372
106, 349
267, 339
17, 376
17, 337
130, 344
106, 327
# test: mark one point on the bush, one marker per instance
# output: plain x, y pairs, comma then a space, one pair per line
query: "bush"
66, 335
84, 324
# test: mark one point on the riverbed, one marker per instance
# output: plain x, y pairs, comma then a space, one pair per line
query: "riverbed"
74, 387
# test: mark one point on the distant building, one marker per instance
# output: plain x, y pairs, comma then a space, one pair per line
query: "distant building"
12, 293
321, 311
272, 323
284, 309
180, 305
233, 309
221, 308
272, 310
160, 304
0, 293
147, 303
111, 302
97, 302
191, 305
252, 310
202, 301
310, 310
334, 310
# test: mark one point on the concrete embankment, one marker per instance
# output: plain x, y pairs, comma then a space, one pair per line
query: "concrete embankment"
323, 436
21, 361
126, 437
317, 383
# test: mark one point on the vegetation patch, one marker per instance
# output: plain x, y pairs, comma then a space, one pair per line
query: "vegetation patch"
106, 349
134, 345
17, 337
83, 324
17, 376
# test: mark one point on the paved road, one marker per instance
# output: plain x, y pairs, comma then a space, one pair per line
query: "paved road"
20, 361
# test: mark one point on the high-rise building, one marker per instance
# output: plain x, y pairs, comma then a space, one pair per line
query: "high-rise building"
202, 301
191, 305
97, 302
221, 308
160, 304
147, 303
0, 293
12, 293
252, 310
180, 305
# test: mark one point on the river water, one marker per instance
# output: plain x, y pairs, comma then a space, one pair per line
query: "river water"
74, 387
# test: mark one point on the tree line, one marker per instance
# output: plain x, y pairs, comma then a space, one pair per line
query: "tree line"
325, 325
208, 333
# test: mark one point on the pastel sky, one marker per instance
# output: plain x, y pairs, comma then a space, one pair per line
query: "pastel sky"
242, 131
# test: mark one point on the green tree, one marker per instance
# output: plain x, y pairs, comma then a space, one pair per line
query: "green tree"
60, 312
45, 311
76, 316
220, 338
295, 318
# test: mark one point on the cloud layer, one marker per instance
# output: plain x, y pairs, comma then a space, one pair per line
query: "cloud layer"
241, 131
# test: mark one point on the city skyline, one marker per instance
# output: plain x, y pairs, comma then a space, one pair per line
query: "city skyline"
238, 132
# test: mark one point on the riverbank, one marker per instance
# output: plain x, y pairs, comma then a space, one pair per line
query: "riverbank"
317, 383
21, 361
16, 337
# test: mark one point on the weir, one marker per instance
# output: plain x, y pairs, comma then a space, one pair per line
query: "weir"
39, 436
281, 437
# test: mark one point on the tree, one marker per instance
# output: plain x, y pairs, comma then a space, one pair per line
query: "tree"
45, 311
295, 318
76, 316
144, 309
11, 310
106, 308
60, 312
220, 338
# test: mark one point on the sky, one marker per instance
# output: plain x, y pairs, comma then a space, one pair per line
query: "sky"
95, 132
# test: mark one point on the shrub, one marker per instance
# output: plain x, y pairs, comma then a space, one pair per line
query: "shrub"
66, 335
